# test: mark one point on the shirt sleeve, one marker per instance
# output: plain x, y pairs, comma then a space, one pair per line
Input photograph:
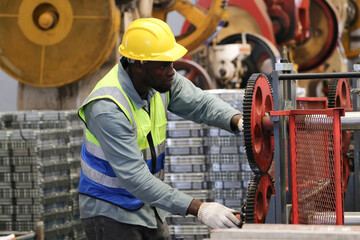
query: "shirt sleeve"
117, 139
192, 103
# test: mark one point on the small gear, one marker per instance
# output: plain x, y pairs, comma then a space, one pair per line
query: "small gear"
339, 96
259, 192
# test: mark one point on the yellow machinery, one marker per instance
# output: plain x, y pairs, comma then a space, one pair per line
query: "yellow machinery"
53, 47
58, 49
351, 33
204, 21
57, 42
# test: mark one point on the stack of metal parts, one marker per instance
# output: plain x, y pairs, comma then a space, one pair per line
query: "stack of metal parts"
186, 171
39, 173
208, 163
228, 168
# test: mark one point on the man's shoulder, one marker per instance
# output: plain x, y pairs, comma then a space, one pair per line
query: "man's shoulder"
101, 106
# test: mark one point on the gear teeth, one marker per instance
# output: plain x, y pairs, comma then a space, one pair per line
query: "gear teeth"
249, 206
332, 93
247, 107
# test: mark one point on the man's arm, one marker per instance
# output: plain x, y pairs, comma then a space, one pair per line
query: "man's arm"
193, 208
192, 103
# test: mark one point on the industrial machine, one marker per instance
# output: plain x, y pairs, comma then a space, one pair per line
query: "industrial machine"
51, 47
65, 77
54, 43
311, 31
270, 129
59, 49
252, 45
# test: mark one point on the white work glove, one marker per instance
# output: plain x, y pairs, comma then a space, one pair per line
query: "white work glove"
215, 215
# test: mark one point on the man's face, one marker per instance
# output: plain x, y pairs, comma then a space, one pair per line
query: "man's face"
159, 75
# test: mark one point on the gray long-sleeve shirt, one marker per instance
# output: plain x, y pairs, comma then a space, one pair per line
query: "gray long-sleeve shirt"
117, 139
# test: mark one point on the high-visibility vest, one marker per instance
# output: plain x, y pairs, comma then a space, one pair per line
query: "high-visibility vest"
97, 178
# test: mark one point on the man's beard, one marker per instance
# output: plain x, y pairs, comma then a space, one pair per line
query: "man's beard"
163, 89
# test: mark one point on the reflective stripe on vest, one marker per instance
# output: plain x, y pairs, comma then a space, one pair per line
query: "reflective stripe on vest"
97, 177
111, 181
97, 151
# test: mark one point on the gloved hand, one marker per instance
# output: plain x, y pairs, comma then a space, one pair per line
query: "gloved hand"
215, 215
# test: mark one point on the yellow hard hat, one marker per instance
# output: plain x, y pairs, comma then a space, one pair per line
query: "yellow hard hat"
150, 39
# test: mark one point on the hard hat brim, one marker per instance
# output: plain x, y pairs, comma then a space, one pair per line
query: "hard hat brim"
171, 55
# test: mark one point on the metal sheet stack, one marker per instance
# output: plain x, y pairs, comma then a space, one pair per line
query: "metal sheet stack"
228, 168
186, 171
39, 172
208, 163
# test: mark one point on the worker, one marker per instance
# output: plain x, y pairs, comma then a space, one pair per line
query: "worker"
122, 195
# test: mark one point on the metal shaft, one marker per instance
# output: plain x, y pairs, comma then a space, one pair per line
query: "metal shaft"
311, 76
351, 121
350, 218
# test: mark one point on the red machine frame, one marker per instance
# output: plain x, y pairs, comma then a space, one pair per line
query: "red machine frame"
335, 114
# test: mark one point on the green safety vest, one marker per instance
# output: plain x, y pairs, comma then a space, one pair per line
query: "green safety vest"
97, 177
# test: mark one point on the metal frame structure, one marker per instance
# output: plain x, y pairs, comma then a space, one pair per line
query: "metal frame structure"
283, 81
325, 119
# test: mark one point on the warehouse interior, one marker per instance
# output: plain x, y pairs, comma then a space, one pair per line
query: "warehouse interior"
291, 67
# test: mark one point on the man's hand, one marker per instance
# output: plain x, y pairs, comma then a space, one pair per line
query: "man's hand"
215, 215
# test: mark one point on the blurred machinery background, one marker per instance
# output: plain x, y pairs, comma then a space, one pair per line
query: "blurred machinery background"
251, 54
59, 49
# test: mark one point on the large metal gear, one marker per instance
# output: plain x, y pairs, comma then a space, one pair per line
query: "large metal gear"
339, 96
259, 141
51, 43
324, 29
204, 21
259, 192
